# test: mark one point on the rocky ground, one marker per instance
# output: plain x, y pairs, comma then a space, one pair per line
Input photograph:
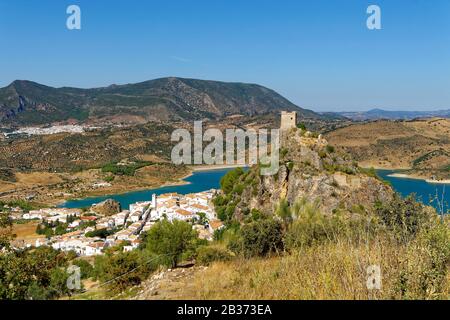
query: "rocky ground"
171, 284
311, 169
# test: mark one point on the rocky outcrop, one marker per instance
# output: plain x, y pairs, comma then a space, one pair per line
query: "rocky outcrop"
311, 169
106, 208
7, 174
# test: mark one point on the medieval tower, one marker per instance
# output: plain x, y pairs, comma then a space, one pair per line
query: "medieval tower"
288, 120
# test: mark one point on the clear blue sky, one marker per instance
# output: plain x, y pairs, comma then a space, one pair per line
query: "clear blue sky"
318, 54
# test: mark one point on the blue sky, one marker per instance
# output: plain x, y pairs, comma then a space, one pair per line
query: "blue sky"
319, 54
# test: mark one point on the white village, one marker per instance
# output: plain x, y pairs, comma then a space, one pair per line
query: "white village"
124, 227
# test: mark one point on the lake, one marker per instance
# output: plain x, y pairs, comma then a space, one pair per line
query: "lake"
421, 188
198, 181
205, 180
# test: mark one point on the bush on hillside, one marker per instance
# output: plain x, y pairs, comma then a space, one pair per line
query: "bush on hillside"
405, 217
170, 240
423, 271
86, 269
208, 254
33, 274
123, 270
258, 238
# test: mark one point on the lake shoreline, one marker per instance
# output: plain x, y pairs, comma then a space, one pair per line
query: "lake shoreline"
409, 176
180, 183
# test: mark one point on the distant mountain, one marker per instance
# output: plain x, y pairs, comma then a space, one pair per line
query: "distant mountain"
30, 103
377, 114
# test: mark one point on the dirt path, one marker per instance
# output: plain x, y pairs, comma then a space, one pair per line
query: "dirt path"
171, 284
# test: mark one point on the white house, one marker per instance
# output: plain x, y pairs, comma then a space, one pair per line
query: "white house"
121, 218
181, 214
94, 248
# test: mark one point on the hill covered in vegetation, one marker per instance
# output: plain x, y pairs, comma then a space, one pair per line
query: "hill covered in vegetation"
29, 103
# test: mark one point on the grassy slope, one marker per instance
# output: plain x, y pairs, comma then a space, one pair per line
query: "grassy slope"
419, 145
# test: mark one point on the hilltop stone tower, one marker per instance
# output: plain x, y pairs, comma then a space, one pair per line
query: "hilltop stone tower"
288, 120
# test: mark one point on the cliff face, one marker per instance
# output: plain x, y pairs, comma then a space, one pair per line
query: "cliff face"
311, 169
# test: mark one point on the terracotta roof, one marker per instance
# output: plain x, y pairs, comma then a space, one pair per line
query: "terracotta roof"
199, 206
215, 224
183, 212
88, 218
97, 245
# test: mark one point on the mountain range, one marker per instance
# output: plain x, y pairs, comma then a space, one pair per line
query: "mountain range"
377, 114
30, 103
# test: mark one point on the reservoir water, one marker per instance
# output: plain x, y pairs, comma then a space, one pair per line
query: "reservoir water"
198, 181
424, 190
205, 180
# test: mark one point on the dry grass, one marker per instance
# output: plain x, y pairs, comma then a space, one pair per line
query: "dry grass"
26, 231
328, 271
394, 145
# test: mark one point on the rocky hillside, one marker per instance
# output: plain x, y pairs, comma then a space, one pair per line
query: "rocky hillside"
312, 170
420, 145
29, 103
94, 148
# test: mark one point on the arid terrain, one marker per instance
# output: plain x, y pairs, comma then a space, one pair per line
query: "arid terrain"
50, 168
420, 146
52, 188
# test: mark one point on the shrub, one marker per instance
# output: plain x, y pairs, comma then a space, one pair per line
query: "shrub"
301, 126
256, 214
102, 233
33, 274
109, 178
125, 269
228, 181
208, 254
424, 269
404, 216
170, 240
322, 154
284, 212
309, 227
86, 269
259, 238
329, 148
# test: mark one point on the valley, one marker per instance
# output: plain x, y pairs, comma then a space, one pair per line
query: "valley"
102, 191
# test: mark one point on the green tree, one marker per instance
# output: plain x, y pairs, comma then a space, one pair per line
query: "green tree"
124, 269
284, 212
30, 274
258, 238
208, 254
301, 126
6, 234
404, 216
170, 240
229, 180
202, 217
86, 269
